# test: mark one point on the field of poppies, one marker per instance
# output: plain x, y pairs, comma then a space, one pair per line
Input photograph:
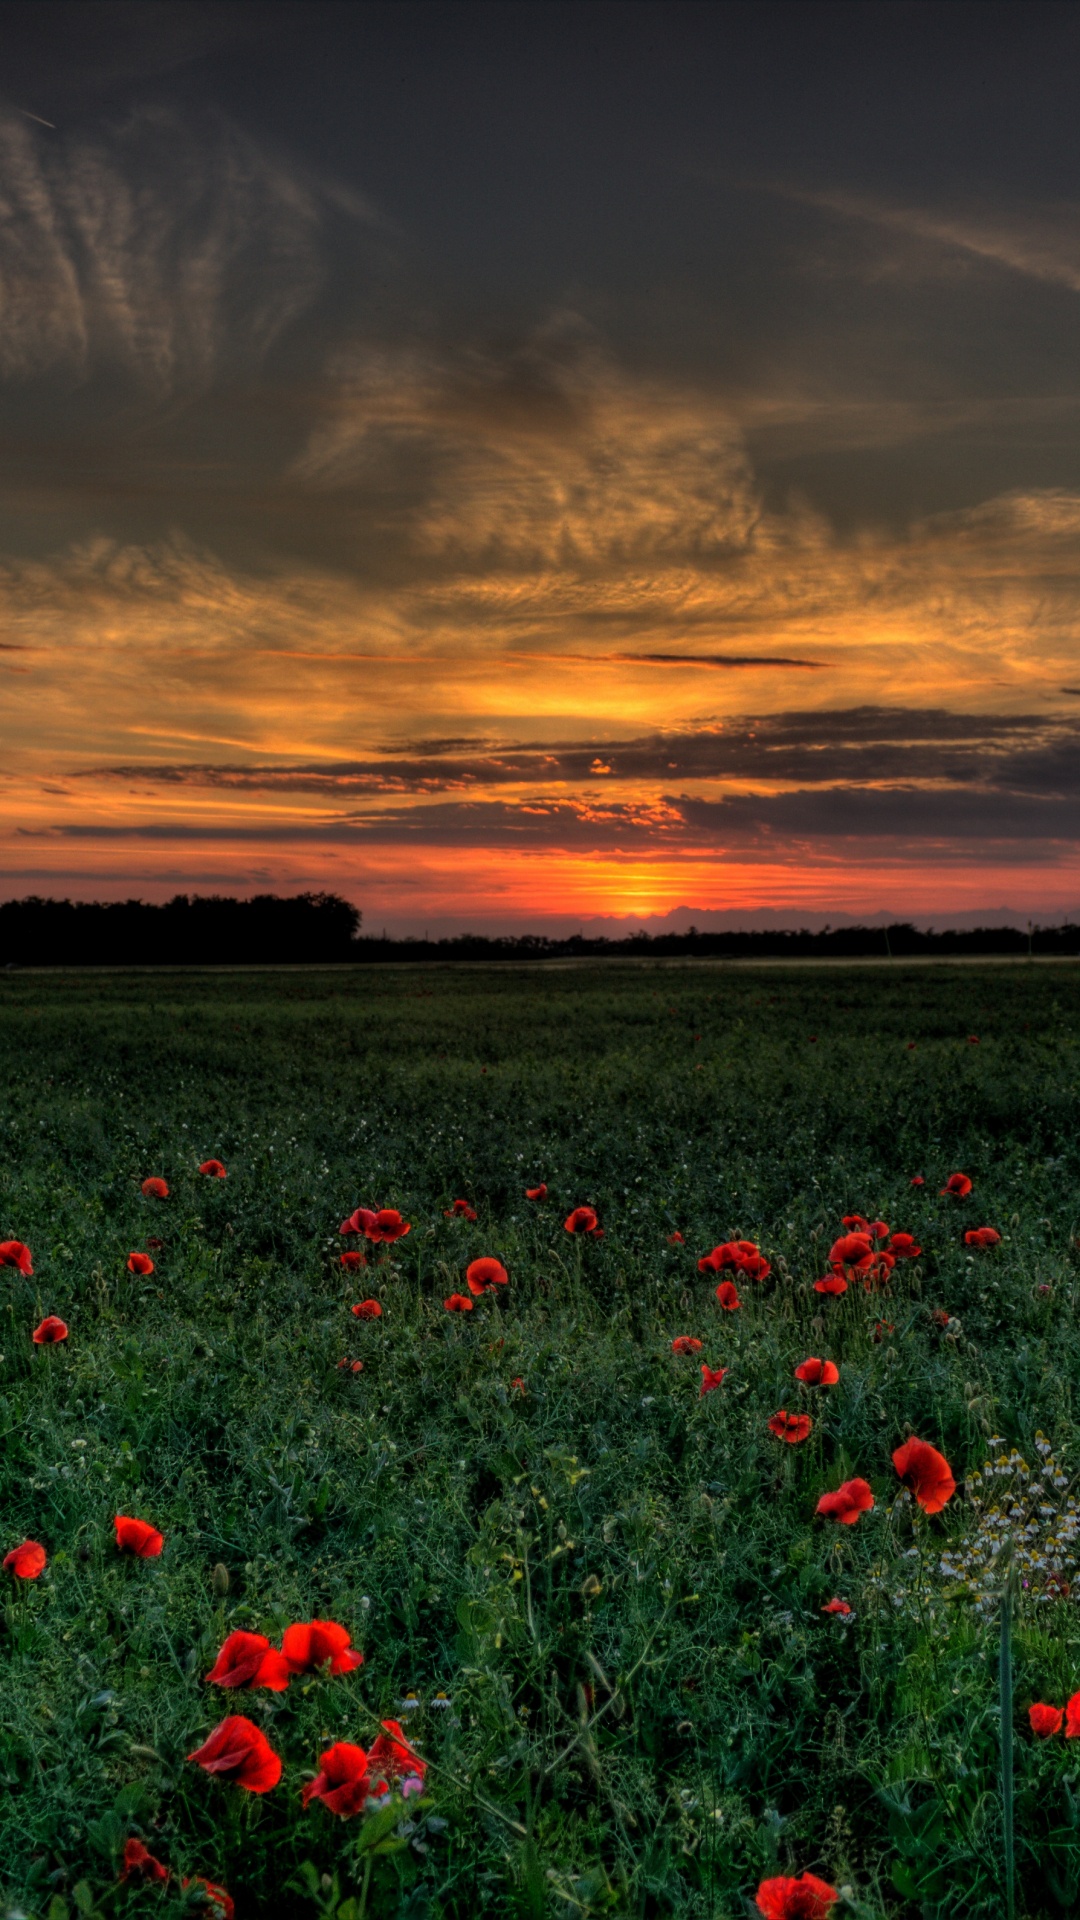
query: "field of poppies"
541, 1442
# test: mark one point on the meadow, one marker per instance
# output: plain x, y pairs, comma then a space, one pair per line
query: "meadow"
595, 1598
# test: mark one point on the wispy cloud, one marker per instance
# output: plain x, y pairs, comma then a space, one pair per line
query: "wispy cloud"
160, 249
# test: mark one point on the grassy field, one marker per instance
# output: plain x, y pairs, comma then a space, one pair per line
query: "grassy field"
604, 1590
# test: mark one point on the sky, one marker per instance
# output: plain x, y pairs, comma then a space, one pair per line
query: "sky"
529, 466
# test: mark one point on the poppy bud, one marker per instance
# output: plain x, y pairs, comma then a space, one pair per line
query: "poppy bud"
590, 1588
219, 1580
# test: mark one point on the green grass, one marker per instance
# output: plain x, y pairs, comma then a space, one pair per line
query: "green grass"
651, 1748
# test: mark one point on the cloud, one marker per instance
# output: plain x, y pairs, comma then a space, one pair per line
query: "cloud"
160, 248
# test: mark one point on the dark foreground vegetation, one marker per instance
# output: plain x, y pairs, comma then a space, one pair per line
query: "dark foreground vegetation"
323, 929
597, 1600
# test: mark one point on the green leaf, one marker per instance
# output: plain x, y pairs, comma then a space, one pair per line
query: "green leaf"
82, 1896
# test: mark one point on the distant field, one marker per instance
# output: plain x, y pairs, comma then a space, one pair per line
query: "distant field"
529, 1508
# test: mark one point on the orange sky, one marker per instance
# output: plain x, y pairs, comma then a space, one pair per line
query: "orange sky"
489, 584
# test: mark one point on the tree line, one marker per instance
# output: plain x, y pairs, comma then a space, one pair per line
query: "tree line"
324, 929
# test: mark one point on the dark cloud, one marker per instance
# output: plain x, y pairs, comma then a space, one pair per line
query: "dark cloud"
1022, 753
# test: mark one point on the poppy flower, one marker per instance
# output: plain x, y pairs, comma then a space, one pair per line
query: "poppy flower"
755, 1266
155, 1245
846, 1503
15, 1253
881, 1328
876, 1276
537, 1193
50, 1331
308, 1647
973, 1039
357, 1366
460, 1210
675, 1240
791, 1427
27, 1561
852, 1250
818, 1373
483, 1276
517, 1385
581, 1220
711, 1378
458, 1303
248, 1660
959, 1184
351, 1260
926, 1472
214, 1168
367, 1310
806, 1898
686, 1343
155, 1189
727, 1296
1045, 1720
877, 1229
137, 1537
902, 1247
981, 1237
358, 1222
388, 1225
837, 1606
1072, 1717
139, 1263
343, 1782
832, 1283
139, 1864
216, 1902
240, 1751
392, 1756
916, 1180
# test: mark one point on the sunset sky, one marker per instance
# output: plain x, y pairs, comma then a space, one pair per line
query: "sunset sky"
521, 464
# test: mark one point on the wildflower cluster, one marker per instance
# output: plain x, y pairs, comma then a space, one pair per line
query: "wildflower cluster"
1028, 1511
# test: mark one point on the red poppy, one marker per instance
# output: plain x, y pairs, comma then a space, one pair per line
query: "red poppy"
537, 1193
852, 1250
357, 1367
675, 1240
791, 1427
359, 1222
27, 1561
139, 1864
755, 1266
940, 1318
154, 1243
837, 1606
139, 1263
214, 1168
711, 1378
959, 1184
727, 1296
483, 1276
881, 1328
240, 1750
902, 1247
388, 1225
392, 1756
248, 1660
926, 1472
517, 1385
916, 1180
343, 1782
973, 1039
15, 1253
1072, 1717
155, 1189
367, 1310
458, 1303
818, 1373
308, 1647
806, 1898
743, 1255
877, 1229
50, 1331
137, 1537
1045, 1720
876, 1275
846, 1502
832, 1283
981, 1237
213, 1897
351, 1260
911, 1046
460, 1210
686, 1343
581, 1220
